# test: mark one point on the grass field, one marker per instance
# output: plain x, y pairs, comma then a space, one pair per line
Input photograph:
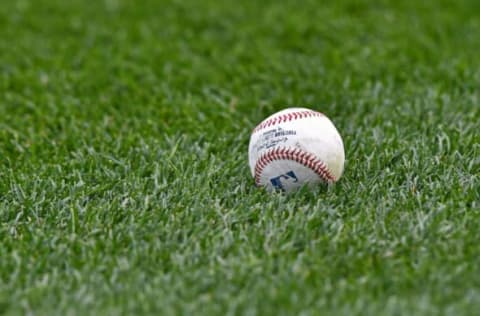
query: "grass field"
124, 182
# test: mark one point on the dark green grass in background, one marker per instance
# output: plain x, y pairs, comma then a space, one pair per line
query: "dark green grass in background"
124, 185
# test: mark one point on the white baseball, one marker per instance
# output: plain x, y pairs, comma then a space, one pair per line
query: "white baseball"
293, 148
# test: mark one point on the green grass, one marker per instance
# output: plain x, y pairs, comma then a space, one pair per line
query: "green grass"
124, 183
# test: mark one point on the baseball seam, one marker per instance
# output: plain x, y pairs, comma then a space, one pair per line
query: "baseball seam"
287, 117
302, 157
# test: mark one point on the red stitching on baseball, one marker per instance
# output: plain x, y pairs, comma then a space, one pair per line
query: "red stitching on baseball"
302, 157
287, 118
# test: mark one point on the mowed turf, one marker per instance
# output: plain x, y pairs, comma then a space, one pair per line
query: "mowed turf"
124, 182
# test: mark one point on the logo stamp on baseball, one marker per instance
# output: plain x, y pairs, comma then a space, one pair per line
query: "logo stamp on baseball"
293, 148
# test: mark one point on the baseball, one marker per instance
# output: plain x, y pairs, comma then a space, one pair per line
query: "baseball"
293, 148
